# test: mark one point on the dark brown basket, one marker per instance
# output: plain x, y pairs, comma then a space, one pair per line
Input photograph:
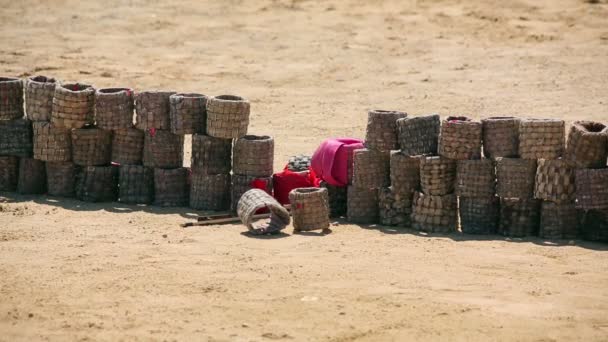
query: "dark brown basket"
211, 155
16, 138
515, 177
51, 143
587, 144
97, 184
478, 215
381, 132
555, 181
419, 135
241, 184
460, 138
310, 209
11, 98
541, 138
475, 178
227, 116
163, 149
171, 187
152, 110
558, 221
337, 199
437, 175
395, 209
9, 171
61, 178
500, 136
114, 108
73, 105
362, 205
188, 113
253, 155
91, 146
405, 173
371, 169
254, 200
135, 184
32, 176
209, 192
39, 92
594, 225
128, 146
592, 189
519, 217
435, 214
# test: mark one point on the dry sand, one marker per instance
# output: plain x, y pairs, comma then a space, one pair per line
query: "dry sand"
77, 271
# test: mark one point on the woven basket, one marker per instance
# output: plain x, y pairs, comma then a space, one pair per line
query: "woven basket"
171, 187
114, 108
435, 214
91, 146
310, 209
394, 209
405, 173
163, 149
241, 184
371, 169
519, 217
594, 225
475, 178
152, 110
11, 98
337, 199
460, 138
299, 163
39, 92
500, 136
253, 155
211, 155
227, 116
419, 135
209, 192
188, 113
135, 184
541, 138
555, 181
478, 215
52, 144
61, 178
362, 205
128, 146
256, 199
515, 177
97, 184
73, 105
437, 175
592, 189
587, 144
558, 221
381, 132
16, 138
32, 176
9, 171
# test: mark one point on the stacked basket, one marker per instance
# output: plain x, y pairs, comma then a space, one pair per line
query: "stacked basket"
15, 132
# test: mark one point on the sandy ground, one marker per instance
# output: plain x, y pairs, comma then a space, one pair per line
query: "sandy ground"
76, 271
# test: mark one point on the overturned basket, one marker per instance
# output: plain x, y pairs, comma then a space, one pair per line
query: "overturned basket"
256, 199
310, 208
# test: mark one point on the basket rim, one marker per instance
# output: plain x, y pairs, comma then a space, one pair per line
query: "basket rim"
229, 98
41, 79
114, 90
80, 87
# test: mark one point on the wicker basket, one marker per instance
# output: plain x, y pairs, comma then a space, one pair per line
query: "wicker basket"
114, 108
135, 184
437, 175
515, 177
163, 149
61, 178
91, 146
299, 163
52, 144
395, 209
500, 136
227, 116
555, 181
594, 225
9, 171
371, 169
541, 138
171, 187
460, 138
475, 178
592, 189
73, 105
16, 138
152, 110
362, 205
32, 176
419, 135
256, 199
519, 217
211, 155
188, 113
435, 214
241, 184
310, 209
39, 92
587, 144
381, 132
97, 184
209, 192
478, 215
253, 156
11, 98
558, 221
128, 146
405, 173
337, 199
